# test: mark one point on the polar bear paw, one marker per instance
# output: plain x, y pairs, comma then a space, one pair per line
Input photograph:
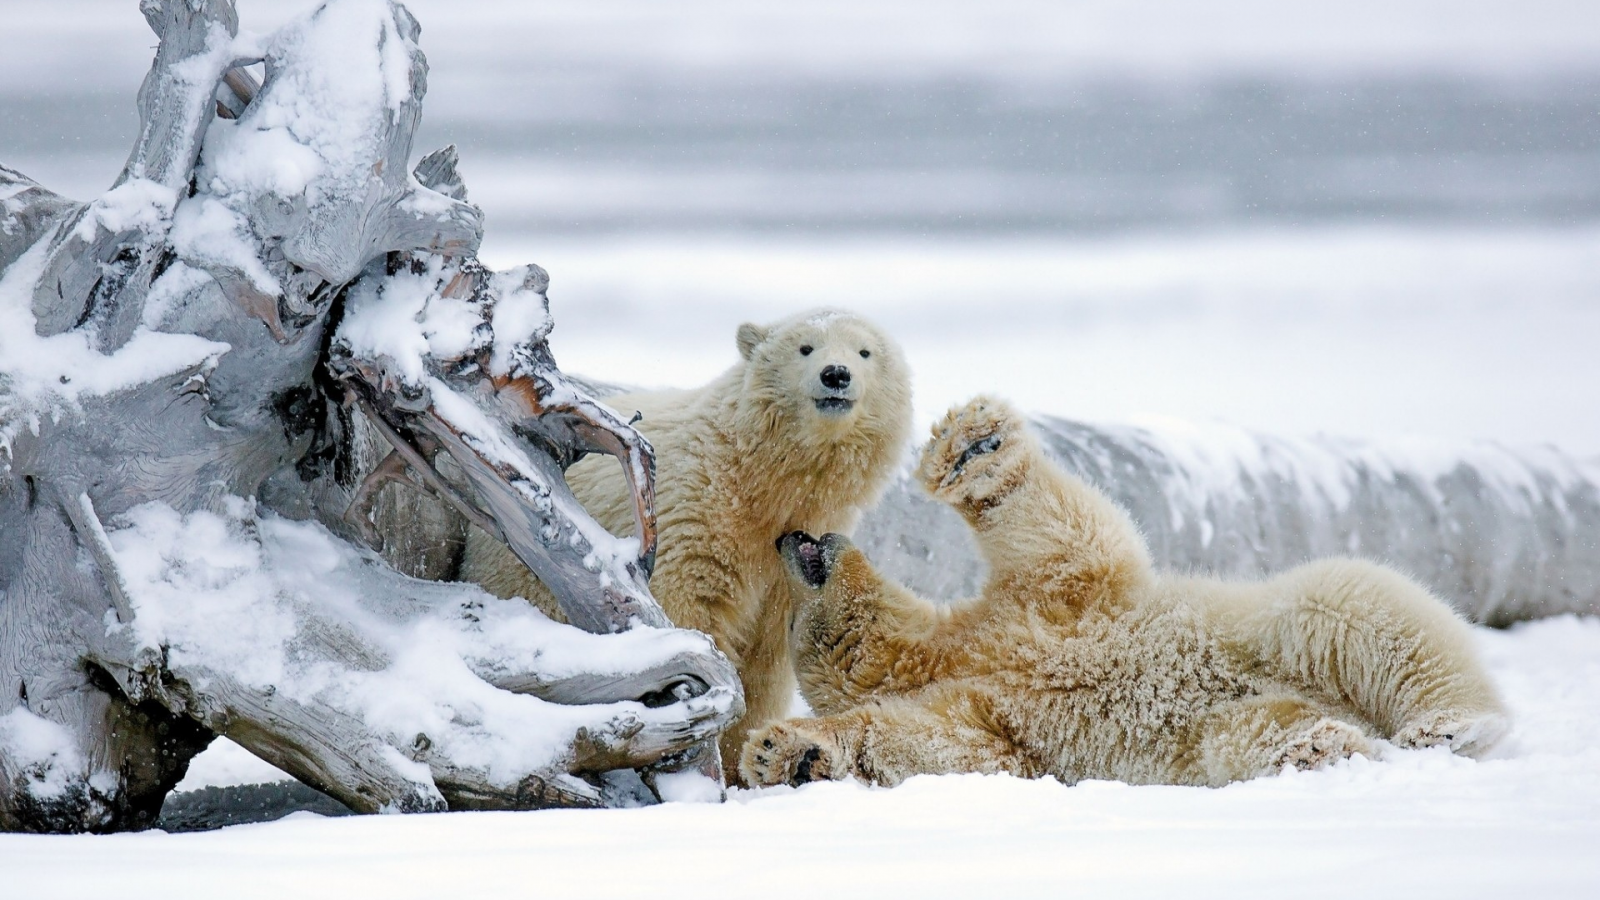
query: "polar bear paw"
783, 754
1324, 742
973, 450
1464, 732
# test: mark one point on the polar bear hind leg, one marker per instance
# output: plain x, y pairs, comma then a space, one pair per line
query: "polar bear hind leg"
1368, 636
1263, 735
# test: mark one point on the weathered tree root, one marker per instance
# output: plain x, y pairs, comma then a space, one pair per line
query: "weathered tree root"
191, 346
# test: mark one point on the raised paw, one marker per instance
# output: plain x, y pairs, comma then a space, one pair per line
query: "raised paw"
1324, 742
1467, 733
973, 449
784, 754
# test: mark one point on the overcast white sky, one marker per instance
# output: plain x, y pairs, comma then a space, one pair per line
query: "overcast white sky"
69, 43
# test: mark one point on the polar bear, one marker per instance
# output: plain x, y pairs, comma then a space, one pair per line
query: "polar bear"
1079, 661
803, 432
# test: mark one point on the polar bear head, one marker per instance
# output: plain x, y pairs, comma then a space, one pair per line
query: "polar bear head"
826, 378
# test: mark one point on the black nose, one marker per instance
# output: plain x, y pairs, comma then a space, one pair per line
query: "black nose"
836, 378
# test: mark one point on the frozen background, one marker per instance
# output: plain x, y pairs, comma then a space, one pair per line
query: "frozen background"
1374, 218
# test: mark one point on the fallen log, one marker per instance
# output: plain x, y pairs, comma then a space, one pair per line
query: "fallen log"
1502, 534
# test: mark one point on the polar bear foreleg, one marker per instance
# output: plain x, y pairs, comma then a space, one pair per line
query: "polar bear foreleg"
885, 743
1034, 522
862, 638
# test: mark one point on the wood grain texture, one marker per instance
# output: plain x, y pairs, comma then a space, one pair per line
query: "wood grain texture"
268, 418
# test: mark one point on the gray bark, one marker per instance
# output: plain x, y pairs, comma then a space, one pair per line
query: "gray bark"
1502, 535
98, 718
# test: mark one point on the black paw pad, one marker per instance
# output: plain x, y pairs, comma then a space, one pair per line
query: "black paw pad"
977, 448
802, 771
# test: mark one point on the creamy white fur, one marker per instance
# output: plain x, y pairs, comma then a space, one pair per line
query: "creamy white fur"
1078, 660
739, 462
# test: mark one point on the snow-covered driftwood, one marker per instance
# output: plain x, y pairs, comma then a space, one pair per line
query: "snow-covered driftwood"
186, 364
1502, 534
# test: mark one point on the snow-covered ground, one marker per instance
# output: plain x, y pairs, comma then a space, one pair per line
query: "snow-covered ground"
1420, 824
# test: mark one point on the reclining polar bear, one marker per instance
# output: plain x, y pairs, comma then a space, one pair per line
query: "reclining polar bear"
1079, 661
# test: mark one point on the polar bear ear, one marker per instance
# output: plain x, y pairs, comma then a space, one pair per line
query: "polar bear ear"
750, 336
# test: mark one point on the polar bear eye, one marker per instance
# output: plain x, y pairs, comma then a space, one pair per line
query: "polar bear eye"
805, 349
866, 353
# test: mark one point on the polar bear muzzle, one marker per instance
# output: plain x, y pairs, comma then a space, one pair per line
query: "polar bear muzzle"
834, 406
835, 379
809, 559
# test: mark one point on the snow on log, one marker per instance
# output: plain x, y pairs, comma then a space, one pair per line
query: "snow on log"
191, 367
1501, 534
292, 642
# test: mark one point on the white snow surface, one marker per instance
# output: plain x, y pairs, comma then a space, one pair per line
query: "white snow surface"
1523, 823
232, 593
43, 753
48, 377
340, 70
403, 319
207, 232
521, 318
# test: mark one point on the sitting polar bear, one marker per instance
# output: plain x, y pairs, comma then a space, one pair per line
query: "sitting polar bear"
1079, 661
802, 432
